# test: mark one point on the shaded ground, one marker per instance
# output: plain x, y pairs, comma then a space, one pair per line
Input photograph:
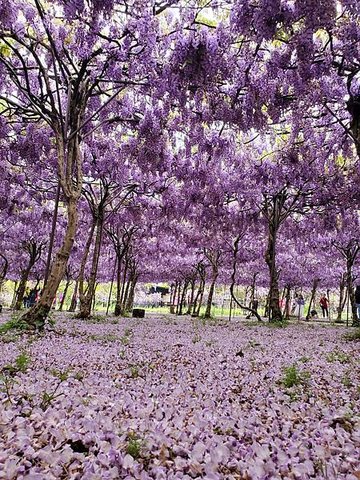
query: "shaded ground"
169, 397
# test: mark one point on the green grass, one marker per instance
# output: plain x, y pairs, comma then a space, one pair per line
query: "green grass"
293, 377
14, 324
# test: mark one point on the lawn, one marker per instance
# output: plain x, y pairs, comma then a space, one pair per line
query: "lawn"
175, 398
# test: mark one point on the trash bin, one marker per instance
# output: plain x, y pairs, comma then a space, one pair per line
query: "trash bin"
138, 313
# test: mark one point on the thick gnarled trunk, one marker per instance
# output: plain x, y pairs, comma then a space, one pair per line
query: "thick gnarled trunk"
274, 293
37, 315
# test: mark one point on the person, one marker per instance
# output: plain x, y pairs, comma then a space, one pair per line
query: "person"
31, 298
26, 298
324, 304
357, 300
300, 302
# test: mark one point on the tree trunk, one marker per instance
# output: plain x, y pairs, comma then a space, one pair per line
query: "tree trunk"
13, 301
126, 295
72, 307
111, 287
287, 302
199, 299
53, 230
342, 297
22, 286
191, 302
312, 296
173, 298
183, 295
211, 294
86, 300
84, 259
123, 287
130, 301
64, 295
117, 309
37, 314
274, 294
3, 270
253, 288
350, 289
178, 299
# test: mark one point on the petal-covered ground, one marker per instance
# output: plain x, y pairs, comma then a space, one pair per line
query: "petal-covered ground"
173, 398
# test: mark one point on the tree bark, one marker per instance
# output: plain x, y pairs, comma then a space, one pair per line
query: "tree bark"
34, 250
13, 300
342, 297
233, 283
274, 294
22, 286
183, 295
287, 302
83, 263
312, 296
68, 282
350, 289
178, 298
126, 296
211, 294
130, 301
3, 270
72, 307
191, 302
86, 300
37, 315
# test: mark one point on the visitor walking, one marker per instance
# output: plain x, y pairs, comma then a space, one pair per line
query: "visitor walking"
32, 297
324, 304
357, 301
26, 298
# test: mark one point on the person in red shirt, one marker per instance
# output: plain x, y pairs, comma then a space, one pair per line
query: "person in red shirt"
324, 304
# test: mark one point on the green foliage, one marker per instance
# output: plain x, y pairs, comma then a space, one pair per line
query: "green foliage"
304, 359
346, 380
293, 377
337, 356
62, 375
104, 338
134, 370
134, 446
20, 364
6, 385
9, 337
125, 339
15, 323
79, 375
354, 336
8, 372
